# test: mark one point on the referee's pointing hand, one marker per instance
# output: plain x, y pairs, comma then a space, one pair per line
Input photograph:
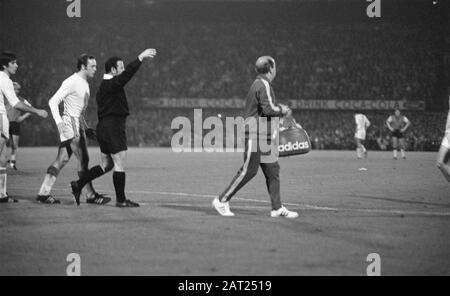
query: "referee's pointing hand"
148, 53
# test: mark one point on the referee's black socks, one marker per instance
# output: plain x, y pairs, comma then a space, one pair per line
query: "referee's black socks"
90, 175
119, 186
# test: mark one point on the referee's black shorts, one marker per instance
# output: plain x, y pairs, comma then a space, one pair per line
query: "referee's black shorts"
111, 134
14, 128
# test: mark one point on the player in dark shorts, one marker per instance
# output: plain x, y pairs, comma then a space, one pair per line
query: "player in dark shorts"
111, 129
15, 117
398, 124
397, 134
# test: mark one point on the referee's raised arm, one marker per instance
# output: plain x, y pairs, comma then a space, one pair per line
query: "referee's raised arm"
133, 67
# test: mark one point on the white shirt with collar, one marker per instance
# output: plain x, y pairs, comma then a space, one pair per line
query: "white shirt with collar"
7, 91
74, 92
107, 76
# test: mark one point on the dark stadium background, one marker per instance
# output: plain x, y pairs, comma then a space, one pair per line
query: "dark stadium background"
324, 50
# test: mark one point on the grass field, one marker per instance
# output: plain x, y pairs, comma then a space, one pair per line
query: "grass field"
398, 209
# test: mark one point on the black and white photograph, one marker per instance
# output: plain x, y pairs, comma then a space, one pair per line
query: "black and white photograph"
225, 142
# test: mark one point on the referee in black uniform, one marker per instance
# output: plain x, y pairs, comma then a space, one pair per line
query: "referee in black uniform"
111, 129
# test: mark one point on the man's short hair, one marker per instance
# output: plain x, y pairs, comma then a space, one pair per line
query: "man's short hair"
111, 63
83, 60
6, 57
264, 64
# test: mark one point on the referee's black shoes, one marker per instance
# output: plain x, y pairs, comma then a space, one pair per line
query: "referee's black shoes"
127, 204
98, 199
76, 191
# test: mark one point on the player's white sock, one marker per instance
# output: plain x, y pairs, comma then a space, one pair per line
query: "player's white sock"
403, 153
2, 181
12, 163
395, 153
47, 185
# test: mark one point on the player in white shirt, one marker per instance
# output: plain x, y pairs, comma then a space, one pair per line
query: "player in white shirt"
8, 67
398, 124
362, 123
443, 160
72, 127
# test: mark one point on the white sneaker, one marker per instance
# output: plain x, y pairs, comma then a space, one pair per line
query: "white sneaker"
222, 207
283, 212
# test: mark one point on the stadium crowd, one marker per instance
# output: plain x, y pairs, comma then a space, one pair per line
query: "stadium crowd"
214, 59
314, 61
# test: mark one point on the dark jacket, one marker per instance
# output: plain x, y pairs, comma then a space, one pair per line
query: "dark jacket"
260, 102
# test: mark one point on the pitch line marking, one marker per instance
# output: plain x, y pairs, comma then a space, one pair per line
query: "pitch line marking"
297, 205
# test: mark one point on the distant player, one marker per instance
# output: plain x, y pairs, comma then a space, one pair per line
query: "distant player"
74, 93
362, 123
398, 124
8, 67
112, 111
15, 117
443, 160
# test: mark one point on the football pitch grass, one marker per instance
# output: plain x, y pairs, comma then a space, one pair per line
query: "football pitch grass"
399, 209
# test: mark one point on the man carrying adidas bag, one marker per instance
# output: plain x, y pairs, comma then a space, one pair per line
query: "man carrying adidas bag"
259, 104
294, 140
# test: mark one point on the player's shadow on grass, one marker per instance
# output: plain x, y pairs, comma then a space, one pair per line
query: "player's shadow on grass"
209, 210
405, 201
20, 173
65, 201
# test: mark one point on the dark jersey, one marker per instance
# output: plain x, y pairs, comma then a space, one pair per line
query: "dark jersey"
397, 122
111, 97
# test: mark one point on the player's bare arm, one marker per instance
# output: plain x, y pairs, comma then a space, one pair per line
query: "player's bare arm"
16, 103
90, 132
23, 117
23, 107
83, 123
388, 123
408, 123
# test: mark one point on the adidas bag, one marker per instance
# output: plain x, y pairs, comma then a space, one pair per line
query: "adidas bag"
293, 141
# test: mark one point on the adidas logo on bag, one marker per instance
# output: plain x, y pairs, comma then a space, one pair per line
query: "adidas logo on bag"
296, 146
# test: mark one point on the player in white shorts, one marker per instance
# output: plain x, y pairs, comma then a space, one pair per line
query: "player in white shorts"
72, 127
443, 160
362, 123
8, 67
